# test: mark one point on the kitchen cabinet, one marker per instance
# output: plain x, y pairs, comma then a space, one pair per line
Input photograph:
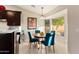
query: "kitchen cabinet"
2, 14
13, 18
8, 43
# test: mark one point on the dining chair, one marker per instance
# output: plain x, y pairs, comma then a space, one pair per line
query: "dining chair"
32, 40
49, 40
37, 31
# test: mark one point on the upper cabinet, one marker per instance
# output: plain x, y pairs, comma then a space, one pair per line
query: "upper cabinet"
2, 14
13, 18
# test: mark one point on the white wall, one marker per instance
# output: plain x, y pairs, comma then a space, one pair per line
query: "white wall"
73, 17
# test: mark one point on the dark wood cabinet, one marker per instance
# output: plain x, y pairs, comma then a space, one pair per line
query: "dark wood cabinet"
2, 14
6, 43
13, 18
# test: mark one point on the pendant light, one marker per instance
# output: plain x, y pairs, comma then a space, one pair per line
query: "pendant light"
42, 15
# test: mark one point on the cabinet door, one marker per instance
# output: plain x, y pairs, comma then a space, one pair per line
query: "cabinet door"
6, 43
10, 18
17, 19
2, 14
13, 18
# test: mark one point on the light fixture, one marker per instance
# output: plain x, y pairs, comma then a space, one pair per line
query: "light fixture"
42, 15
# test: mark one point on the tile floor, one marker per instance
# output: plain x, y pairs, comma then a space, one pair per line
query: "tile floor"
60, 48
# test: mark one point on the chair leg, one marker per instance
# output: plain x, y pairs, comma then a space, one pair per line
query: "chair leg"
53, 48
49, 48
41, 46
30, 46
46, 49
38, 45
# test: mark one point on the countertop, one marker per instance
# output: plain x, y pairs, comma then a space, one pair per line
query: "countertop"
7, 31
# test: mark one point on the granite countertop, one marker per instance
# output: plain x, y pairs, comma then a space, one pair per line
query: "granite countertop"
7, 31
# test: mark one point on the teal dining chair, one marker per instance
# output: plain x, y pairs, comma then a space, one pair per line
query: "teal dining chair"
32, 40
49, 40
37, 31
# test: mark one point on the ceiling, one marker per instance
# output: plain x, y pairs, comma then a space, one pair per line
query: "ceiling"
37, 8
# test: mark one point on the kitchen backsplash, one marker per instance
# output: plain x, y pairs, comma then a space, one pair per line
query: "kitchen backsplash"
3, 26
